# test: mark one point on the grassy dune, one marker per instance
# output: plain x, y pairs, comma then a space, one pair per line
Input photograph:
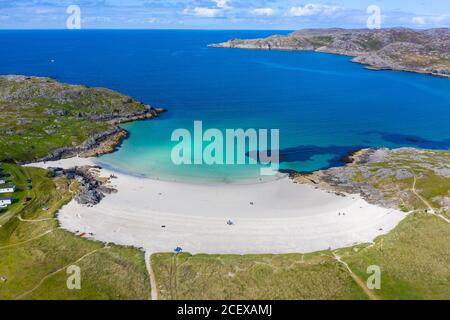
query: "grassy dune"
36, 269
414, 259
295, 276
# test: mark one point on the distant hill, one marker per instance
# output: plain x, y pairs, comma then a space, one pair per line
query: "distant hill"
423, 51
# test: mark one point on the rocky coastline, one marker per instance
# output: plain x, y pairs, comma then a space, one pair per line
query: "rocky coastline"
104, 142
399, 49
45, 120
385, 177
91, 188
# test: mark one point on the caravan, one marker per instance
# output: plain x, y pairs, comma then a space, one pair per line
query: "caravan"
7, 189
4, 202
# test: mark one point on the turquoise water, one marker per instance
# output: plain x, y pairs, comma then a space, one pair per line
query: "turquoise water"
323, 105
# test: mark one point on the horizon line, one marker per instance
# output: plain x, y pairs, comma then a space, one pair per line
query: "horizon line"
206, 29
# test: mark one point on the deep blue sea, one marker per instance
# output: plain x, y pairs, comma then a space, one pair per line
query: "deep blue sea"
324, 105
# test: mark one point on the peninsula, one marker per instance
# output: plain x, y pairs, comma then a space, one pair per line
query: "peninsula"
43, 119
403, 49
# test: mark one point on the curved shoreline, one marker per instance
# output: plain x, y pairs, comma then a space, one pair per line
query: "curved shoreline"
101, 143
275, 217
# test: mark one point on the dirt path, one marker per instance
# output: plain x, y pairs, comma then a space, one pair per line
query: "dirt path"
29, 240
55, 272
427, 204
37, 220
358, 281
148, 264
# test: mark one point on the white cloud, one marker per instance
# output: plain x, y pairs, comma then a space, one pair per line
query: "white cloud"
264, 12
431, 20
205, 12
313, 9
202, 12
418, 20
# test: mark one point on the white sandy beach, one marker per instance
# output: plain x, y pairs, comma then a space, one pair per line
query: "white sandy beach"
285, 217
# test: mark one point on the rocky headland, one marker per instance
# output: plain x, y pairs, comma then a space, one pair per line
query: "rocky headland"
421, 51
44, 120
389, 178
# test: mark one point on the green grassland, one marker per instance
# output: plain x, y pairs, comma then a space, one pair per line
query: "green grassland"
267, 277
423, 166
40, 115
414, 259
34, 262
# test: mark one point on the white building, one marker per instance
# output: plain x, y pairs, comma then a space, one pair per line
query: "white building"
7, 189
4, 202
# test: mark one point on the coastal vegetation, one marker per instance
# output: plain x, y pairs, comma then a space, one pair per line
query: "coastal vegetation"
261, 277
423, 51
405, 178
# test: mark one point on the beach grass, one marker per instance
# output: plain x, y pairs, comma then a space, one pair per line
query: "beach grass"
425, 167
35, 253
414, 259
254, 277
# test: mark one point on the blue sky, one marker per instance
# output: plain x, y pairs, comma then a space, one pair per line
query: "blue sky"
222, 14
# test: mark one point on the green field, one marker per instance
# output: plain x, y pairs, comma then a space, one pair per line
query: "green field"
414, 259
267, 277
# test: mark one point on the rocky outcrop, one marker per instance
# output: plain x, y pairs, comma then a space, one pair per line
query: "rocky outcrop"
91, 188
385, 177
422, 51
100, 143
